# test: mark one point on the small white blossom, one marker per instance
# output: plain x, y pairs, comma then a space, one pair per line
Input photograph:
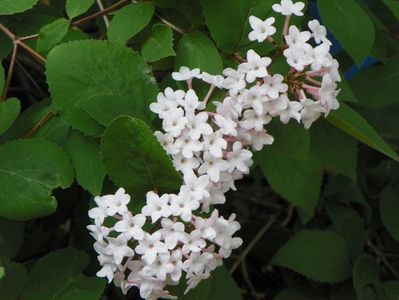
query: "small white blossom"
287, 7
261, 30
255, 67
156, 207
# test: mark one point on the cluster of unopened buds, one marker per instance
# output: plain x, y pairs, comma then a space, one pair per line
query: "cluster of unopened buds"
171, 238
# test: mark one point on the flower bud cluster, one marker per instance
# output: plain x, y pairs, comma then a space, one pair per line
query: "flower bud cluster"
171, 237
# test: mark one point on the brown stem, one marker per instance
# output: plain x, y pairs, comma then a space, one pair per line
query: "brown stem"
101, 13
47, 117
10, 72
32, 52
18, 42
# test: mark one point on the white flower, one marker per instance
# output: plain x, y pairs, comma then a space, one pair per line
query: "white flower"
167, 141
260, 138
328, 94
215, 144
183, 164
273, 85
98, 231
261, 29
131, 226
251, 120
156, 206
204, 226
215, 80
172, 232
176, 260
274, 106
321, 57
166, 102
239, 158
212, 166
188, 145
186, 74
118, 249
197, 185
255, 67
291, 112
299, 57
175, 122
117, 203
287, 7
150, 246
296, 38
311, 112
160, 267
198, 125
194, 243
319, 32
183, 205
234, 81
197, 263
227, 126
190, 101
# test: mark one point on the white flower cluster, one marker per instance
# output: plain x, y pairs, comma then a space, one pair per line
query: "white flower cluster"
171, 236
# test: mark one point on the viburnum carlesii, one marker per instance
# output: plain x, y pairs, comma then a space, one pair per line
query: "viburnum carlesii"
170, 239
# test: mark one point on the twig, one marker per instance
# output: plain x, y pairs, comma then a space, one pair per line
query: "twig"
19, 42
29, 37
381, 256
101, 13
10, 72
173, 26
253, 243
245, 274
288, 217
31, 79
105, 17
47, 117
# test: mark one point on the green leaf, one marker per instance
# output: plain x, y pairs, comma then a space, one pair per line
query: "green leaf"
54, 130
349, 225
298, 294
2, 78
129, 20
393, 6
13, 282
75, 8
365, 274
377, 85
9, 7
342, 189
389, 211
196, 50
135, 160
319, 255
29, 171
228, 22
350, 121
9, 111
220, 286
11, 237
353, 29
334, 149
84, 152
296, 180
159, 45
100, 80
82, 288
346, 93
53, 273
291, 140
51, 34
